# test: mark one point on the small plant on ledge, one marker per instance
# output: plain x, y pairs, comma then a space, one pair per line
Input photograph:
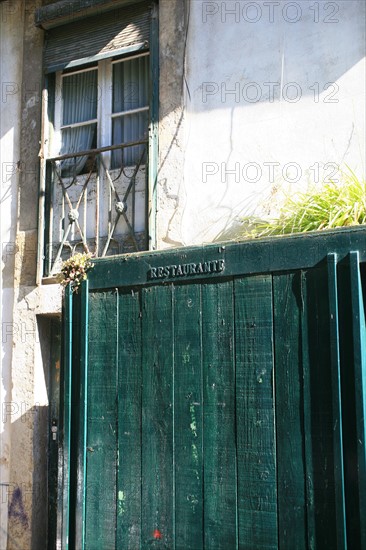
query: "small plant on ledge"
74, 271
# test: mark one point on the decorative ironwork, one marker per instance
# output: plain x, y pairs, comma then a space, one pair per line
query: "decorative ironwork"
102, 211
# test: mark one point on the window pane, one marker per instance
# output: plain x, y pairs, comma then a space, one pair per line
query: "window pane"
75, 140
79, 97
125, 129
79, 104
130, 84
130, 91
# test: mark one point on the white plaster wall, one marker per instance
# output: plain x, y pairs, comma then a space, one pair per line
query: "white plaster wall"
11, 56
309, 121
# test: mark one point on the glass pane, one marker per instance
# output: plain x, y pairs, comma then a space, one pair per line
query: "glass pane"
125, 129
75, 140
130, 84
79, 97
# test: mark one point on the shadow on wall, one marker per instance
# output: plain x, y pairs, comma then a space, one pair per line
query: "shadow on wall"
278, 51
26, 496
32, 492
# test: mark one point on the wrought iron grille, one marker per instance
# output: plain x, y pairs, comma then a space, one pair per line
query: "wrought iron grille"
102, 211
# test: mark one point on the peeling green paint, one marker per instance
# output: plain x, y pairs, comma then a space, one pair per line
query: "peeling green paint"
121, 503
186, 355
193, 424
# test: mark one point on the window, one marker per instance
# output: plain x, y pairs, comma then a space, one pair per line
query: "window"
103, 105
99, 137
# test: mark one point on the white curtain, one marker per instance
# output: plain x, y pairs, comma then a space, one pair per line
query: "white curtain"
130, 91
79, 96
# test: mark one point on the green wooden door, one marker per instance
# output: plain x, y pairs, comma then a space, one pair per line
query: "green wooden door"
216, 399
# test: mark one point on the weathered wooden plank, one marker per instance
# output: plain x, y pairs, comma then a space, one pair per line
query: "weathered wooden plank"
80, 402
158, 514
287, 301
76, 451
306, 389
78, 418
341, 529
319, 422
348, 359
220, 467
129, 422
65, 427
255, 409
101, 447
359, 347
188, 421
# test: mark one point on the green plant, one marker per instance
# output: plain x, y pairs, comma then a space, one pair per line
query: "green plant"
74, 270
334, 204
